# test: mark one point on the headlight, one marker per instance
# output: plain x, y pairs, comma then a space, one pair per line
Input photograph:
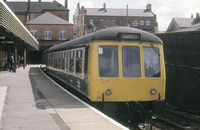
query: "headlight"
108, 92
153, 91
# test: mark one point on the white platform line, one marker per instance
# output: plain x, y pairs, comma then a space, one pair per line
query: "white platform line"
92, 108
3, 92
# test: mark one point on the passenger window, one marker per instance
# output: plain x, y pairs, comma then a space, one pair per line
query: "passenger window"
51, 60
108, 61
131, 61
152, 62
63, 61
66, 67
79, 62
71, 62
56, 60
59, 61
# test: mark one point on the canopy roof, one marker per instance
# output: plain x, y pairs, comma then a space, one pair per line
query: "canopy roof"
12, 28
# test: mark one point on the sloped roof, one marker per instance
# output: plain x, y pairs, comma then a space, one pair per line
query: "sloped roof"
12, 25
119, 12
195, 27
19, 7
106, 23
184, 22
48, 18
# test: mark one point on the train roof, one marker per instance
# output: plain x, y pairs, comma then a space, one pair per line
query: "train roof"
112, 33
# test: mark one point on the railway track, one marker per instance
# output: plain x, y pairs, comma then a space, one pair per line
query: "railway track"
174, 120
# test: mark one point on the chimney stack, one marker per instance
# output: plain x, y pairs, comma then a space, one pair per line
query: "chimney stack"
197, 18
66, 4
104, 6
148, 7
28, 11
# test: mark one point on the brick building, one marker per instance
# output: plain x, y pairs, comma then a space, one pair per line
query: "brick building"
87, 20
27, 11
50, 30
46, 21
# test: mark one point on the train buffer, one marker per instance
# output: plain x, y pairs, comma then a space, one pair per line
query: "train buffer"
33, 101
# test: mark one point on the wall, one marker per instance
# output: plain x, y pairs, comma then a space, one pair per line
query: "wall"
55, 30
182, 57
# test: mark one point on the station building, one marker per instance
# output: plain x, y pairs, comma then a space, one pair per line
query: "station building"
15, 39
46, 21
88, 20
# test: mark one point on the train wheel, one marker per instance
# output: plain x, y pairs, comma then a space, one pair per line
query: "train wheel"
138, 114
110, 109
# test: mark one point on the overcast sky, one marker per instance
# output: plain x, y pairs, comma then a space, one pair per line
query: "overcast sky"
164, 9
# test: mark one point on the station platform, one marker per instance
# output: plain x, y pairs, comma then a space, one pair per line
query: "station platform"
31, 101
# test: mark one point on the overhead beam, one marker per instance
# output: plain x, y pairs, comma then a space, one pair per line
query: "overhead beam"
7, 42
2, 37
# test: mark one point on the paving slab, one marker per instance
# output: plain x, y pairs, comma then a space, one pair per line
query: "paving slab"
3, 91
34, 102
22, 108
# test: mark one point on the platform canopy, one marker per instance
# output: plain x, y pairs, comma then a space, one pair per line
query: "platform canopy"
11, 29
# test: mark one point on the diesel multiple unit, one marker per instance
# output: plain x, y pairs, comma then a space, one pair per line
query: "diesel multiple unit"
117, 65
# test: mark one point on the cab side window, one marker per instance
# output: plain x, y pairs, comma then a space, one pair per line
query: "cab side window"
152, 62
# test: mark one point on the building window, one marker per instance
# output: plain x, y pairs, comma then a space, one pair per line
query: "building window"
32, 16
34, 33
92, 22
47, 35
128, 24
148, 22
76, 21
62, 35
141, 22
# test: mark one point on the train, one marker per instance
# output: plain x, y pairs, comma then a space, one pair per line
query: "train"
122, 68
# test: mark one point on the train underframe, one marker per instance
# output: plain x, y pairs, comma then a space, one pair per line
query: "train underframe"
128, 113
131, 114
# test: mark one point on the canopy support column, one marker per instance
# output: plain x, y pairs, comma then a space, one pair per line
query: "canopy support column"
15, 55
24, 64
